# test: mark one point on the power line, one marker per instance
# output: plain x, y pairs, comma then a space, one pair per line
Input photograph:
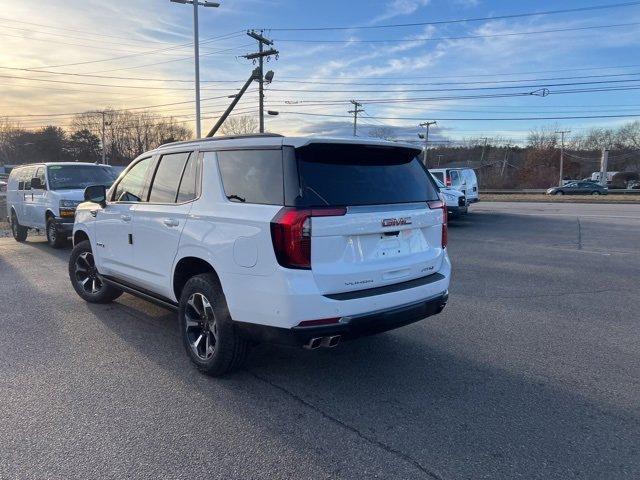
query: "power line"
148, 52
293, 103
461, 37
571, 117
461, 20
127, 39
145, 87
547, 85
467, 75
217, 52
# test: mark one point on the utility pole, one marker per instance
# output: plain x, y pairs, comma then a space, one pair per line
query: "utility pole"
484, 147
604, 165
356, 110
196, 51
236, 99
562, 132
439, 158
104, 147
103, 140
259, 55
426, 140
504, 161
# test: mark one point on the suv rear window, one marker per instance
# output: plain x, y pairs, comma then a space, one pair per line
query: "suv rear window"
348, 175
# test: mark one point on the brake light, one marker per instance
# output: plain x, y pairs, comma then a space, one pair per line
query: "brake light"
448, 180
440, 204
291, 234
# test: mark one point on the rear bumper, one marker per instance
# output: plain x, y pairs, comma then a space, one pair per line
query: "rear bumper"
349, 327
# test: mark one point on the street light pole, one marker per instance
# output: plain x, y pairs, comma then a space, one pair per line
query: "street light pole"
196, 51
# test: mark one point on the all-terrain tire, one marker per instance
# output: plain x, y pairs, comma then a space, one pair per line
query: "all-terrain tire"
54, 238
208, 333
85, 278
19, 232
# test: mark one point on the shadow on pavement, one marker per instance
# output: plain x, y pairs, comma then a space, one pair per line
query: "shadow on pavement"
398, 390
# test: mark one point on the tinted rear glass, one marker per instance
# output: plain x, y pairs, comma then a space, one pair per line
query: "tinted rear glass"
167, 179
344, 175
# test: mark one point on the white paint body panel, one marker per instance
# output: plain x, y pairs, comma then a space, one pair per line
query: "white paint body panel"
235, 239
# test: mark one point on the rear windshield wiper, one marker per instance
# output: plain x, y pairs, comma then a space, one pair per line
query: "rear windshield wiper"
236, 197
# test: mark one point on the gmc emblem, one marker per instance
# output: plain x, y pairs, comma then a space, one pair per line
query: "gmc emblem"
396, 222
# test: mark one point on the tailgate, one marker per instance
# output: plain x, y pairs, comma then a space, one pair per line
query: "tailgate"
373, 246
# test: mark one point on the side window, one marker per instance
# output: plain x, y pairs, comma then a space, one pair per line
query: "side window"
189, 185
164, 188
252, 176
438, 175
26, 176
455, 178
131, 187
40, 174
16, 176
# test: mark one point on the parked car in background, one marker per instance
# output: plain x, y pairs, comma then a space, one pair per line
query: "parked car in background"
44, 196
578, 188
462, 179
456, 201
263, 238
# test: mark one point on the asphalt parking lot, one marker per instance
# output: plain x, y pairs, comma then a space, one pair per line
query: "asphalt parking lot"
532, 371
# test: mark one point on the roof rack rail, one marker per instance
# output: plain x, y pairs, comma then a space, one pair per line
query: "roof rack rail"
223, 137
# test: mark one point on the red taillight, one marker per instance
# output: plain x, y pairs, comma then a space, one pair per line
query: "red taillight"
291, 234
437, 204
448, 181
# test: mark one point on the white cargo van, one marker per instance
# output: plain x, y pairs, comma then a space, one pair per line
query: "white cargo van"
44, 196
461, 179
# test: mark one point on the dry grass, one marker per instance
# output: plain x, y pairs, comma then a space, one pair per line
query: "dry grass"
515, 197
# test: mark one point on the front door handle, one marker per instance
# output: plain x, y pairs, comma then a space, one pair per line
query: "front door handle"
171, 222
93, 212
125, 218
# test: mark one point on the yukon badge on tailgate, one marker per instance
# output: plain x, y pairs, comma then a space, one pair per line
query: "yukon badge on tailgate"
396, 222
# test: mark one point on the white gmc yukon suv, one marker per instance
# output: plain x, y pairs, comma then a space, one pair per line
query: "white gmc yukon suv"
264, 238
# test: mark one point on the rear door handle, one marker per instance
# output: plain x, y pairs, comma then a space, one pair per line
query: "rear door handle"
171, 222
125, 218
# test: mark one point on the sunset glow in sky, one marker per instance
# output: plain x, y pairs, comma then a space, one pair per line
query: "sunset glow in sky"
61, 57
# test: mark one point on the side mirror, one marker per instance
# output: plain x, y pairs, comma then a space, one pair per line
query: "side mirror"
36, 183
96, 194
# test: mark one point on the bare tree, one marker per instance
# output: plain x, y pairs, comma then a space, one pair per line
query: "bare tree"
239, 125
385, 133
128, 134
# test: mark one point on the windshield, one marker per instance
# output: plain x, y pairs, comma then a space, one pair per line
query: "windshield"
67, 177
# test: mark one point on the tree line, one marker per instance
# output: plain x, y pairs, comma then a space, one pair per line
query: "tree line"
127, 134
536, 164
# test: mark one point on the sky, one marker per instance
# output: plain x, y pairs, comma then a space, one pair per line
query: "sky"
464, 69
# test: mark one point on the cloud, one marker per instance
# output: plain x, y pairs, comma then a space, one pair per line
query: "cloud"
398, 8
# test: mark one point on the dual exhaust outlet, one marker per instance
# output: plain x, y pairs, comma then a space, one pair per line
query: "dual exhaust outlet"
326, 342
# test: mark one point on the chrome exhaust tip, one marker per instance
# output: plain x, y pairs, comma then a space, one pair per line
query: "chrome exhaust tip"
330, 342
313, 343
